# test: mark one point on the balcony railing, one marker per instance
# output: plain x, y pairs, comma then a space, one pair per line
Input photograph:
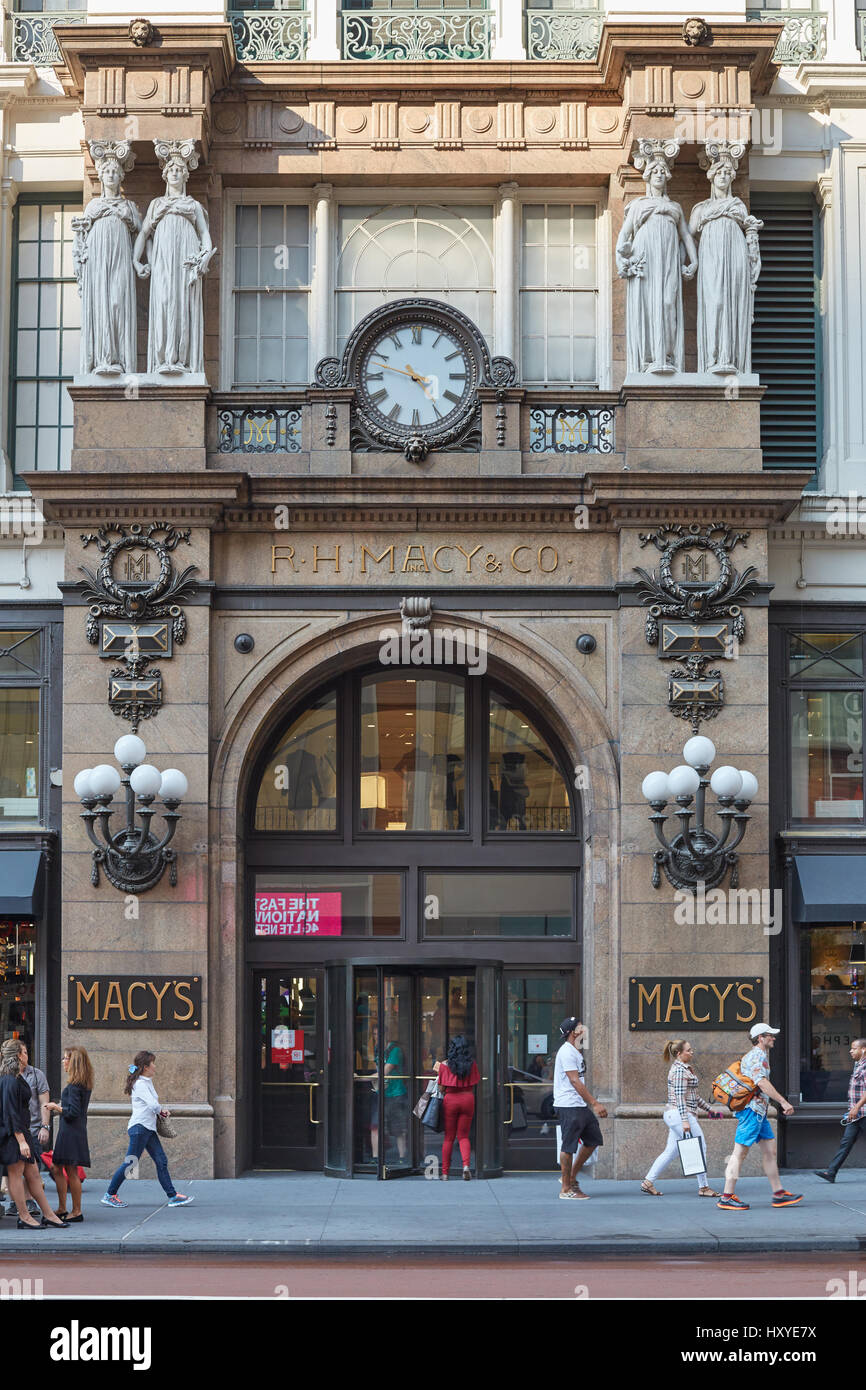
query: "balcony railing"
269, 36
571, 429
412, 35
33, 38
805, 35
565, 35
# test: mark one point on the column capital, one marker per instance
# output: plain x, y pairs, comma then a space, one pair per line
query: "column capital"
323, 191
508, 190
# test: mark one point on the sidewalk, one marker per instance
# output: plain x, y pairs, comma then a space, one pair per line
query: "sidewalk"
307, 1214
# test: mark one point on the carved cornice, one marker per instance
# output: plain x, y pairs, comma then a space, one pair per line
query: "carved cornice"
197, 498
761, 498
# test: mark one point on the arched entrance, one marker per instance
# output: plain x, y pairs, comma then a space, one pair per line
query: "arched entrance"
413, 867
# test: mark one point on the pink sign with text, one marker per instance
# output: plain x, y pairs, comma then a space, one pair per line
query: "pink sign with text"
299, 914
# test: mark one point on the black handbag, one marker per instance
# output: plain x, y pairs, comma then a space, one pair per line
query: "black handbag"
433, 1117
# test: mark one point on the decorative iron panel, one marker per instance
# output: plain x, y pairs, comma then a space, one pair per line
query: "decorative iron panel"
804, 39
563, 35
33, 38
566, 429
260, 430
269, 38
412, 35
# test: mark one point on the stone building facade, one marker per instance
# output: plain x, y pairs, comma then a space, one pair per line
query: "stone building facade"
502, 876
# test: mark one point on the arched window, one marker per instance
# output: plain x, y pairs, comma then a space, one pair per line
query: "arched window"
438, 252
416, 803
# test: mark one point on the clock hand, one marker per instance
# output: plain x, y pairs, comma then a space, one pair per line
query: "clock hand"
400, 372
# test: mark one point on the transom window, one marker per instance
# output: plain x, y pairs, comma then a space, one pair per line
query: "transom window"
422, 804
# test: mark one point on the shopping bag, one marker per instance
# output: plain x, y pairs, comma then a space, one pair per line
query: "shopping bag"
420, 1106
691, 1152
433, 1118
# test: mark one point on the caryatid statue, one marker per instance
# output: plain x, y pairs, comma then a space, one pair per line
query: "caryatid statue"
654, 251
730, 263
102, 257
176, 240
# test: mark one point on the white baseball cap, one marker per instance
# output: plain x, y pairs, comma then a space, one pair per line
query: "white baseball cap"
761, 1028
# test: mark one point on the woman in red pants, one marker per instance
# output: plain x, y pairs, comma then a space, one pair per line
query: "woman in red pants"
458, 1076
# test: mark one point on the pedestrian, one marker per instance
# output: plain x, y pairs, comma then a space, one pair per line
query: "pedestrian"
854, 1117
754, 1127
458, 1076
15, 1153
576, 1109
142, 1132
680, 1115
37, 1131
70, 1150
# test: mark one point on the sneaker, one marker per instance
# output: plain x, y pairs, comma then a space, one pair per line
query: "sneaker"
112, 1201
825, 1174
786, 1199
729, 1201
179, 1200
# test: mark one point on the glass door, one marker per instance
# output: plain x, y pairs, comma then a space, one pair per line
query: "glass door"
383, 1074
446, 1007
288, 1067
536, 1002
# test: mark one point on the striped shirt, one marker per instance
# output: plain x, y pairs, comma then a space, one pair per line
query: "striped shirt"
683, 1091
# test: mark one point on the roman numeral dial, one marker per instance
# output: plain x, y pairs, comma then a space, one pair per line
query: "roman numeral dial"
415, 376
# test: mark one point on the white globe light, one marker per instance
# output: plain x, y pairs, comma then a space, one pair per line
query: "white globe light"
146, 780
104, 780
82, 782
129, 750
174, 786
655, 786
699, 751
749, 790
683, 781
726, 781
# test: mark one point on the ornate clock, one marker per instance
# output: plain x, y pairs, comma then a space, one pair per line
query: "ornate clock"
416, 366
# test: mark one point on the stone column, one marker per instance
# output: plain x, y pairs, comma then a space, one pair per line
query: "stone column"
322, 296
842, 32
324, 38
506, 272
508, 43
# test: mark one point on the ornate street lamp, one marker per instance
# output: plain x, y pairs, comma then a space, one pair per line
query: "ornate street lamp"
133, 858
697, 855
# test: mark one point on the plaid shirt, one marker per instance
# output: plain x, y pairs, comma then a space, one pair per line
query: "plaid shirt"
857, 1084
683, 1091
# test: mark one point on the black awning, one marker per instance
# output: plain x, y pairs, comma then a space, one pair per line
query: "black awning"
22, 880
829, 888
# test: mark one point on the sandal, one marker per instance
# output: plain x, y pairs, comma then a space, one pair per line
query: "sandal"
650, 1189
708, 1192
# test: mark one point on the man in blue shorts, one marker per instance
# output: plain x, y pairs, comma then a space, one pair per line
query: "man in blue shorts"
754, 1127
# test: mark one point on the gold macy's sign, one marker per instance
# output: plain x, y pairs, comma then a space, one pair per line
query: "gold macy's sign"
505, 560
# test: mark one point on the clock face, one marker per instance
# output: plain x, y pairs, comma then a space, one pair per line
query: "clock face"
416, 376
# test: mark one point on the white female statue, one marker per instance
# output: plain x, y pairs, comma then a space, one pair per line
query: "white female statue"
176, 239
102, 256
654, 251
730, 264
